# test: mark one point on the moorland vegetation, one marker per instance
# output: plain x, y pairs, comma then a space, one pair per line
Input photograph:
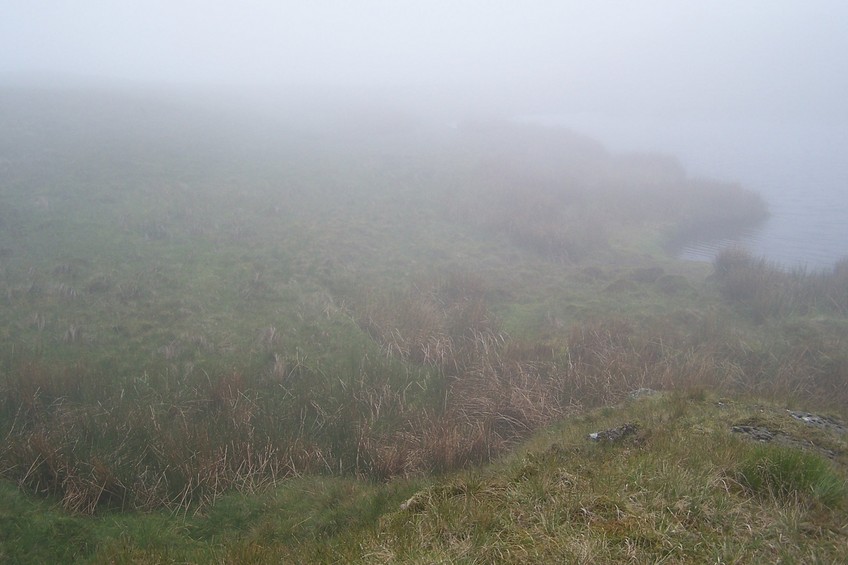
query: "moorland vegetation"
224, 343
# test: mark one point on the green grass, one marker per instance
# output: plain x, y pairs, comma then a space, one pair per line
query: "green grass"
665, 493
678, 489
765, 290
257, 353
786, 473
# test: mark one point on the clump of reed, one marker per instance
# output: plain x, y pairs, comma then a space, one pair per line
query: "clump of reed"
493, 390
496, 390
438, 322
154, 442
610, 357
93, 442
449, 390
769, 291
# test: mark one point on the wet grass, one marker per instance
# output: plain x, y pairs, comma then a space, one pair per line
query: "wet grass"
766, 290
683, 487
257, 356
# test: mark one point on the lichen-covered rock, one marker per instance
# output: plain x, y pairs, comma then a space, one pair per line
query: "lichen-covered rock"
824, 422
642, 393
614, 434
754, 432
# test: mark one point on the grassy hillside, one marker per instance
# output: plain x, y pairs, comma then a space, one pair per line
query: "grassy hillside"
229, 339
685, 486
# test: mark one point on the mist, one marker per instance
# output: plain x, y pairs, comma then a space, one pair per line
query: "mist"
749, 92
659, 58
280, 279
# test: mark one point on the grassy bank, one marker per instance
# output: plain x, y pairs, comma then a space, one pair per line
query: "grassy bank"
208, 343
683, 487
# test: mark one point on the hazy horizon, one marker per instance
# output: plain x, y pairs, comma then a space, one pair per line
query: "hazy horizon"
771, 60
752, 92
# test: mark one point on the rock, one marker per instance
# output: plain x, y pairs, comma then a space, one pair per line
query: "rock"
642, 393
764, 435
614, 434
416, 503
754, 432
819, 421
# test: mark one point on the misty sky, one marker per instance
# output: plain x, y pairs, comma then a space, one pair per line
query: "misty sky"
656, 55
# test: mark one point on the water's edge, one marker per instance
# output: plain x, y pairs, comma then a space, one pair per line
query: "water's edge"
801, 170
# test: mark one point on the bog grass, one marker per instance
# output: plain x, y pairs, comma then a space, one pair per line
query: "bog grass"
257, 353
766, 290
791, 474
683, 488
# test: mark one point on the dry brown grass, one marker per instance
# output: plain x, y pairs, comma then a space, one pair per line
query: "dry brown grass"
450, 390
769, 291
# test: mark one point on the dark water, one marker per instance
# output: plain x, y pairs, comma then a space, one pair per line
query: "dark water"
800, 169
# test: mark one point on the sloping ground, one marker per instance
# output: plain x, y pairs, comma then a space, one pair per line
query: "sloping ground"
682, 488
684, 483
285, 352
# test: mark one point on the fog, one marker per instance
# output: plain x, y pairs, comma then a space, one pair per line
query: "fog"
657, 57
749, 91
374, 242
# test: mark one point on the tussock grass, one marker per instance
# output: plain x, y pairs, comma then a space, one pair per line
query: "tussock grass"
449, 390
670, 492
791, 474
220, 359
768, 291
656, 496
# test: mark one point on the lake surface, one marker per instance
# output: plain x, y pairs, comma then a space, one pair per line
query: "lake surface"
800, 169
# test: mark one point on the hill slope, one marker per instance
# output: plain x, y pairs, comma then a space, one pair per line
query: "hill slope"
229, 340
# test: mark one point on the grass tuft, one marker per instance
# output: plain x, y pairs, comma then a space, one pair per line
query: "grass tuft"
788, 474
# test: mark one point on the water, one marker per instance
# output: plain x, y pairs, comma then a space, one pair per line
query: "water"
801, 170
